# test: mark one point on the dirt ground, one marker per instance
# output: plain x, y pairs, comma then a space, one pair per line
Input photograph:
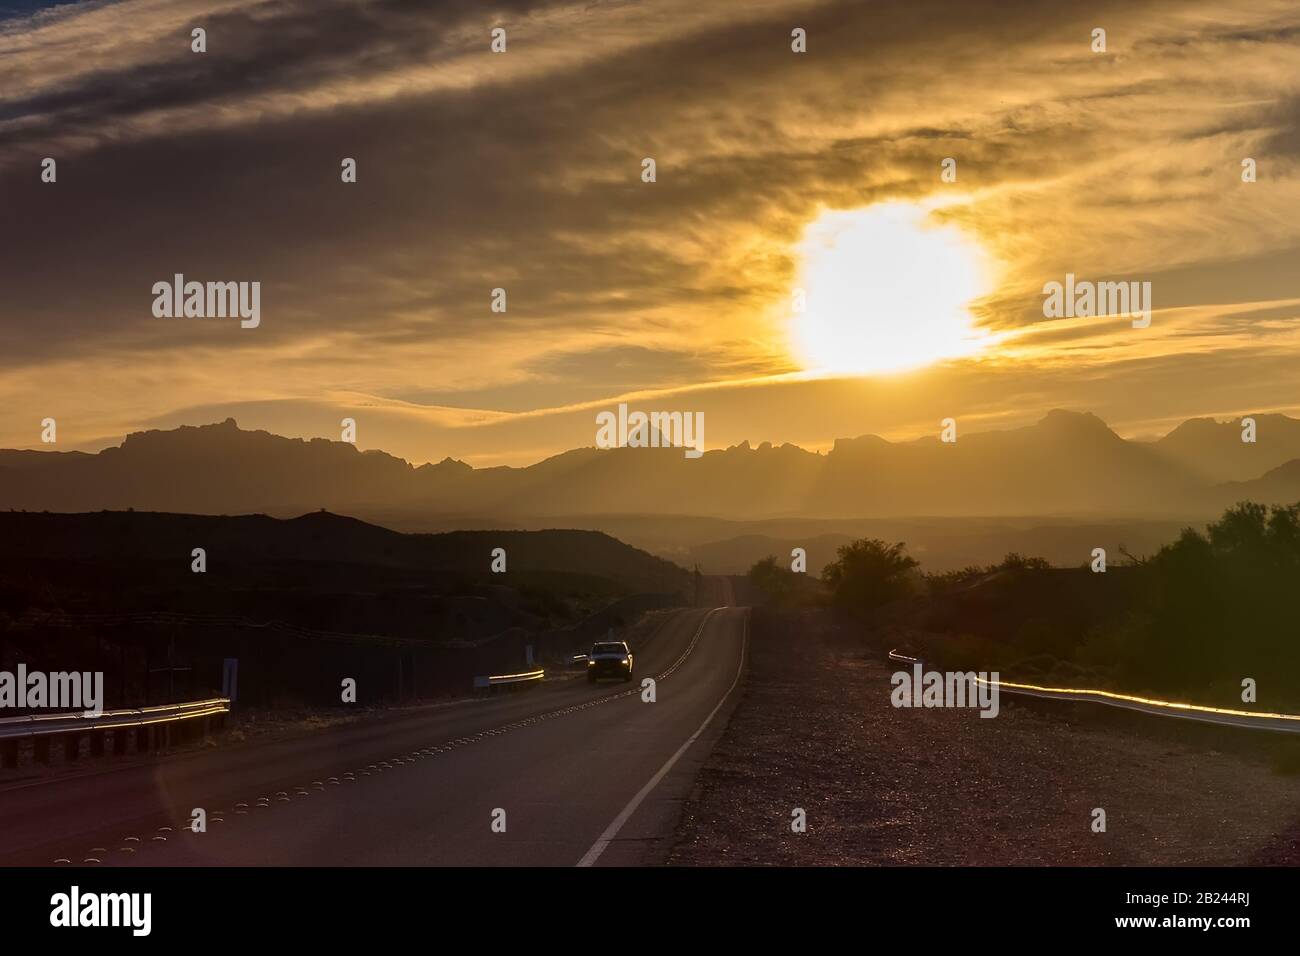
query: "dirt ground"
815, 730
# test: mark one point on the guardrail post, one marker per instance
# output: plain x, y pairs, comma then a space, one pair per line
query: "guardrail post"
154, 728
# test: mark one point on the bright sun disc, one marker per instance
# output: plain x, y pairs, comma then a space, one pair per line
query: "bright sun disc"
886, 292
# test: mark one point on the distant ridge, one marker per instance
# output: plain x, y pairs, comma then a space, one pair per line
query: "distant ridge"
1067, 463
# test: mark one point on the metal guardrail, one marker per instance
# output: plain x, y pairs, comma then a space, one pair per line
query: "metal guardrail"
46, 725
150, 726
509, 680
1228, 717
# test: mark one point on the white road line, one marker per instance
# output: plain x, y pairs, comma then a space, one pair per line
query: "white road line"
611, 831
381, 766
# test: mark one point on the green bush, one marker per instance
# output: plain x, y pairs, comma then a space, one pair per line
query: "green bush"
868, 573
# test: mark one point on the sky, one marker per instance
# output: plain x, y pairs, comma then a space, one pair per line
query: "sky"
774, 171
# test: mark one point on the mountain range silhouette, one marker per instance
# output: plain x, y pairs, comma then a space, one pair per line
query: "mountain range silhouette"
1066, 463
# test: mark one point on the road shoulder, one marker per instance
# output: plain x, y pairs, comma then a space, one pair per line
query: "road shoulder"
814, 730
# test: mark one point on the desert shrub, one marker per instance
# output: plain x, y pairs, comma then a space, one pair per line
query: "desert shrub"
868, 573
1214, 604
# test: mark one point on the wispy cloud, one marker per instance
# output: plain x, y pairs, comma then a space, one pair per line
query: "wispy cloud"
521, 170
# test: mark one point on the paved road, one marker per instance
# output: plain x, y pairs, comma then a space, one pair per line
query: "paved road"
584, 774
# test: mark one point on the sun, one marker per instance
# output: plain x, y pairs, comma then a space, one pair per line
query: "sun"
885, 291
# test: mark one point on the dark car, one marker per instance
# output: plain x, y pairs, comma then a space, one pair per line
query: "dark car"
609, 659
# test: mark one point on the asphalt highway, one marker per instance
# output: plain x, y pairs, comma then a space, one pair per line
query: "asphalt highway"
566, 774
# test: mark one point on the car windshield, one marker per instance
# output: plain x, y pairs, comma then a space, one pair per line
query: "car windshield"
608, 649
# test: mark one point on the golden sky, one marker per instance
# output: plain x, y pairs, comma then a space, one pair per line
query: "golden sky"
523, 170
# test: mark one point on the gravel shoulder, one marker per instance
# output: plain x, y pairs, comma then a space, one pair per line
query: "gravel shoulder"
815, 730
